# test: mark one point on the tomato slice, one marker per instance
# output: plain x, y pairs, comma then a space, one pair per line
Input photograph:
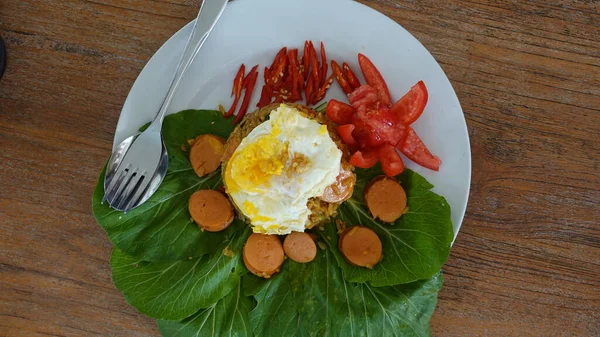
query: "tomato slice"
364, 159
412, 146
339, 113
345, 132
364, 135
374, 79
364, 98
377, 127
410, 107
391, 163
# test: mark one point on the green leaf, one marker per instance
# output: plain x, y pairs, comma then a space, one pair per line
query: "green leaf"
314, 299
227, 317
414, 247
161, 229
176, 290
336, 307
275, 312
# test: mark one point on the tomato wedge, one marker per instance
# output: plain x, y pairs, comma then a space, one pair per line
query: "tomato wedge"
364, 159
364, 136
345, 132
364, 98
410, 107
377, 127
391, 163
374, 79
412, 146
339, 113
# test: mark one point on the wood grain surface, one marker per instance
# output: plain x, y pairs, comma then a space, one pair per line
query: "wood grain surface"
526, 262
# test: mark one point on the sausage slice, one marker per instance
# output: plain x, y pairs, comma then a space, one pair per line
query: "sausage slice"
300, 247
385, 198
263, 254
361, 246
211, 210
205, 154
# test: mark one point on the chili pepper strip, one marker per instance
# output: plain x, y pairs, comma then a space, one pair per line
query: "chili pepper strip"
236, 89
352, 79
249, 84
341, 79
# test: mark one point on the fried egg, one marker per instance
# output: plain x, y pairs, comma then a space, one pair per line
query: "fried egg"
278, 167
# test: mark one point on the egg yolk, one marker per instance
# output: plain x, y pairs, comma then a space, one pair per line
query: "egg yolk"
253, 167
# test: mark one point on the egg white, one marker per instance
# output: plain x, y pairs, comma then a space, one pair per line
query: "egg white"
275, 200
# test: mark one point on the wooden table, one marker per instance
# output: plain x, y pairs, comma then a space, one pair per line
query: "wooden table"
526, 262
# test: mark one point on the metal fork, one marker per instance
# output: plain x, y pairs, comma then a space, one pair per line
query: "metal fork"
141, 160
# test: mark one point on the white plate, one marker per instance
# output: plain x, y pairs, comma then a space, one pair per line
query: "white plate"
251, 32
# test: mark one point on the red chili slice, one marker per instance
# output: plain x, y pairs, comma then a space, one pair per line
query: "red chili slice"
300, 79
310, 88
339, 112
323, 72
345, 132
249, 84
265, 96
236, 89
340, 77
314, 65
374, 79
391, 163
323, 89
278, 72
364, 159
410, 107
280, 54
293, 75
352, 79
283, 93
306, 59
266, 75
412, 147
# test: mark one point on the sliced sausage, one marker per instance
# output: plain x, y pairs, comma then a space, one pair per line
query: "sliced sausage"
360, 246
205, 154
300, 247
385, 198
263, 254
341, 190
211, 210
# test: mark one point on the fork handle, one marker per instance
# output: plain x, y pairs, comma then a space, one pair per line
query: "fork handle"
210, 12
